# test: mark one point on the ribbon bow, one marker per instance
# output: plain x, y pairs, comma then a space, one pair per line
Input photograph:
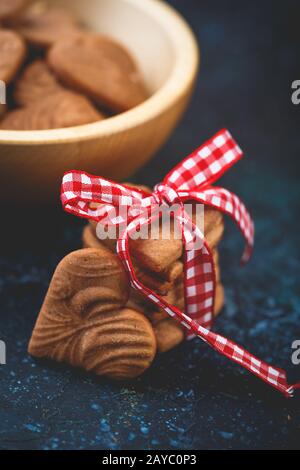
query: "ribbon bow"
190, 180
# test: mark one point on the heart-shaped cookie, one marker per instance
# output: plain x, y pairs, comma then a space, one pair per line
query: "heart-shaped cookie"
36, 82
12, 54
153, 281
83, 320
60, 110
168, 334
100, 68
3, 110
41, 28
161, 255
11, 9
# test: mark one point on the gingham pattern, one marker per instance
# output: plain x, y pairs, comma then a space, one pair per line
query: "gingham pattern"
199, 280
273, 376
191, 179
82, 193
206, 164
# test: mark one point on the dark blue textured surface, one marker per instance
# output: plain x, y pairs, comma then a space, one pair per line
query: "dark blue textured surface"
191, 398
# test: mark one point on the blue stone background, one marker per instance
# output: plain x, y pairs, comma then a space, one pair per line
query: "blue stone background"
191, 398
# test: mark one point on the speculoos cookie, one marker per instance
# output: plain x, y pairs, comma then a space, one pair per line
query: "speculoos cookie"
36, 82
61, 110
42, 28
12, 54
99, 67
11, 9
84, 322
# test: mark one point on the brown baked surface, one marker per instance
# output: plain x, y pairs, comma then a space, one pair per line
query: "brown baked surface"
100, 68
43, 27
12, 54
84, 322
62, 109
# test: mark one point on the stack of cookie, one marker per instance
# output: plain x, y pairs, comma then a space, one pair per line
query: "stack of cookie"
158, 264
57, 73
91, 318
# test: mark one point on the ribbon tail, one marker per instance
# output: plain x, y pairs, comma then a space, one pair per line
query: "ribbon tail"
199, 274
230, 204
275, 377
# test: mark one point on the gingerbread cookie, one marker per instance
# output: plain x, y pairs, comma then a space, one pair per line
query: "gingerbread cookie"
12, 54
158, 262
161, 283
41, 28
63, 109
100, 68
83, 320
173, 293
169, 333
3, 110
176, 298
161, 256
36, 82
11, 9
148, 308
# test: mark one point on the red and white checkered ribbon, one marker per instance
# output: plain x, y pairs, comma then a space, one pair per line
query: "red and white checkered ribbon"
190, 180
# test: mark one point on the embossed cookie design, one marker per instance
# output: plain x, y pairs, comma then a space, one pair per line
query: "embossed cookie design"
83, 320
100, 68
12, 54
168, 332
43, 28
11, 9
96, 77
63, 109
36, 82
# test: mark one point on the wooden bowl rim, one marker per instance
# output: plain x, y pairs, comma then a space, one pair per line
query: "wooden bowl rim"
180, 80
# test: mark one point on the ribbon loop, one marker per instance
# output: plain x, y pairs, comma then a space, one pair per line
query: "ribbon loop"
92, 196
164, 194
98, 199
207, 164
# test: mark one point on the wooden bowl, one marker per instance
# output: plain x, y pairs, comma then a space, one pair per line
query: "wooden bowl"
33, 163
